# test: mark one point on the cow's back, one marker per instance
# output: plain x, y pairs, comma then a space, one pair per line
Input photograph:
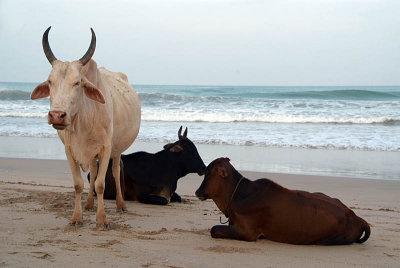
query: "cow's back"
296, 217
314, 218
126, 110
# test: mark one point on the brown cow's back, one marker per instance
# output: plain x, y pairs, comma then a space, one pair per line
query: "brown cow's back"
298, 217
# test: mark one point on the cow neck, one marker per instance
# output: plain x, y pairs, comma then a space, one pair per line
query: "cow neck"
230, 199
173, 165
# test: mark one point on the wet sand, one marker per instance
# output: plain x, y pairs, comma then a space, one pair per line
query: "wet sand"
36, 204
380, 165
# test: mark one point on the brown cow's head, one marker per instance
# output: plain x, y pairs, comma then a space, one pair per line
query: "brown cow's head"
66, 86
216, 179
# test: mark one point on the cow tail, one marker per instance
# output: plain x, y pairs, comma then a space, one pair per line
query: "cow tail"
366, 231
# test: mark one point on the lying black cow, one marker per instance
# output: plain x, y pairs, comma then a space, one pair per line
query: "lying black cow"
152, 178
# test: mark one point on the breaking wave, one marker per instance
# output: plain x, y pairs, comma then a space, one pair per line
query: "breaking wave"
190, 116
230, 117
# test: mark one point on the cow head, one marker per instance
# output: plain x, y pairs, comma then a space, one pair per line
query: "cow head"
66, 86
216, 179
187, 156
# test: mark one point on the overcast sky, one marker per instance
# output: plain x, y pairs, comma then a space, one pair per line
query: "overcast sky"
200, 42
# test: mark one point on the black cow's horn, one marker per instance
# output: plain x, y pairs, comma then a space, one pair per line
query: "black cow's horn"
89, 53
180, 133
185, 133
46, 47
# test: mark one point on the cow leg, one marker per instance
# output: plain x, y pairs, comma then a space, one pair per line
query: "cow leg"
78, 185
230, 231
93, 173
116, 174
176, 198
104, 157
152, 199
223, 231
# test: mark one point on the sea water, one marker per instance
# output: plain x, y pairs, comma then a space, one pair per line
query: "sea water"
342, 118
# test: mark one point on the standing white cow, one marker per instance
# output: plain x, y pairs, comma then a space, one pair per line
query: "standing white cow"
97, 116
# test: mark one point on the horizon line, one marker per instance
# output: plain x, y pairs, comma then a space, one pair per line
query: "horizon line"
242, 85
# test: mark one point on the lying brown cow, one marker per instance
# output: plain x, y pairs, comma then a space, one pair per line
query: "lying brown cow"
264, 209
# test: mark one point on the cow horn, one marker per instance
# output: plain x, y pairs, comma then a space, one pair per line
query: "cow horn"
180, 133
185, 133
89, 53
46, 47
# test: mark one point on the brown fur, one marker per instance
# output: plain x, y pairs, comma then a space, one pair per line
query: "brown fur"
264, 209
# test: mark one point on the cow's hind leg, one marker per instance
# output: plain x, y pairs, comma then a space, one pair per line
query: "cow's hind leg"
78, 185
152, 199
116, 168
104, 157
93, 173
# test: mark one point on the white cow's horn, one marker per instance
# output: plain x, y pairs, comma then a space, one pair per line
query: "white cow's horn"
89, 53
46, 47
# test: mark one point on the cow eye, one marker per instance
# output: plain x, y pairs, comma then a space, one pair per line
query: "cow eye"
49, 82
77, 83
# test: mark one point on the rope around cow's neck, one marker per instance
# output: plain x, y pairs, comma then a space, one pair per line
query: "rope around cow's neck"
230, 200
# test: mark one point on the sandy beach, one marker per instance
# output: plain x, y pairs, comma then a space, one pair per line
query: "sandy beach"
304, 93
37, 201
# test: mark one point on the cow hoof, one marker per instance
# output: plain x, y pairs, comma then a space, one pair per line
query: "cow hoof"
89, 204
104, 226
89, 207
78, 223
122, 210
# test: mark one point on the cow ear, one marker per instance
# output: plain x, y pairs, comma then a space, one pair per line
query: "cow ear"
176, 149
167, 145
92, 92
41, 91
222, 172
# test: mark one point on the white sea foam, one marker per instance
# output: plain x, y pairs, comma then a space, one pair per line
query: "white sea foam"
23, 114
149, 114
357, 119
166, 116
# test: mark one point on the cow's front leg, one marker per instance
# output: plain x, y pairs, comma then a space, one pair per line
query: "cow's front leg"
116, 174
99, 184
232, 232
223, 231
152, 199
93, 173
78, 185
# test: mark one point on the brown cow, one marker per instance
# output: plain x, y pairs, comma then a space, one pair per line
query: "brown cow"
264, 209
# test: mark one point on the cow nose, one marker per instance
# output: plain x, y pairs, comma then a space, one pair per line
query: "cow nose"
57, 117
201, 195
199, 192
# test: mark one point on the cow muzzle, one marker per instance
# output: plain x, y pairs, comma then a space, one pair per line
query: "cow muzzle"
202, 170
57, 119
201, 194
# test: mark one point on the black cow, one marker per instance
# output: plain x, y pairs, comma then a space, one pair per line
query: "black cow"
152, 178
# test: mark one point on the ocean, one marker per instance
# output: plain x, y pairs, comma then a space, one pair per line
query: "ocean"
339, 118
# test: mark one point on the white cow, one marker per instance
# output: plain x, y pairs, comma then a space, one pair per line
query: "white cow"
97, 116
